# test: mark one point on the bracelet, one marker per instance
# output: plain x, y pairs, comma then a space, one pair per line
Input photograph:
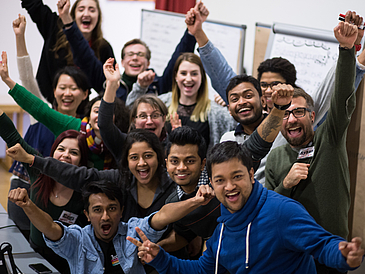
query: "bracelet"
345, 48
67, 25
358, 47
284, 107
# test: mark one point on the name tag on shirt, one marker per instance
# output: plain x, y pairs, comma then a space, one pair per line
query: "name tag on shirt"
306, 152
68, 217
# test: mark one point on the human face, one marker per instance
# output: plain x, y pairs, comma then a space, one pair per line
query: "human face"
185, 166
268, 78
244, 104
86, 17
298, 131
232, 183
68, 95
154, 125
142, 162
134, 65
94, 113
188, 79
104, 215
68, 151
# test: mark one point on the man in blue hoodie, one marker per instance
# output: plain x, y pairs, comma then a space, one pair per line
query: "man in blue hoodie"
259, 231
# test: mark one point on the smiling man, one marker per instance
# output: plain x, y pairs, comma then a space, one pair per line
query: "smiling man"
259, 231
102, 247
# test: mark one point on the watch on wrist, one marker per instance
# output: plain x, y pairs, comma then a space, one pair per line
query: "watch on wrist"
284, 107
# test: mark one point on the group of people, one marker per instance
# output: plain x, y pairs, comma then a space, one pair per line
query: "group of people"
152, 169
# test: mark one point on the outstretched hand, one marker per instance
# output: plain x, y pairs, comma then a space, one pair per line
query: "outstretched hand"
4, 71
111, 74
19, 25
352, 251
282, 94
63, 7
147, 250
357, 20
19, 196
146, 78
195, 17
204, 194
18, 153
346, 34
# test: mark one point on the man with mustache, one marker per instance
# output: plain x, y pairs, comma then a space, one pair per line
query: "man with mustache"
313, 167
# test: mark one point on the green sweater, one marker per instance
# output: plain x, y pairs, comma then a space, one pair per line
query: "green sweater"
326, 191
55, 121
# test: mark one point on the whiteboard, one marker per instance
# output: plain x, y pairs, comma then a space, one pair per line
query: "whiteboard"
313, 52
162, 31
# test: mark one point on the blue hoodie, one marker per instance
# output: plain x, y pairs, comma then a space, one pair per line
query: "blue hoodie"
270, 234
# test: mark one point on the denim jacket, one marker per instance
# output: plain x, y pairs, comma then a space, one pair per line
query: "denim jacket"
84, 255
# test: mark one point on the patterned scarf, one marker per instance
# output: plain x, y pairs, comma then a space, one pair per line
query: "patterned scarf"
95, 145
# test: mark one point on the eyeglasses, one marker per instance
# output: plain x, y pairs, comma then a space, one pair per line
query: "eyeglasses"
139, 54
153, 116
297, 112
265, 86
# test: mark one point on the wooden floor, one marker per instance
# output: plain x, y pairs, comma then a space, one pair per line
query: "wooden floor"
4, 185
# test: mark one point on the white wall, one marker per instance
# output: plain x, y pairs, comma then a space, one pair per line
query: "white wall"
121, 22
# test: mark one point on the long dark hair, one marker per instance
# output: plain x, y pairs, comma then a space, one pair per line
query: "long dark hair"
45, 183
137, 136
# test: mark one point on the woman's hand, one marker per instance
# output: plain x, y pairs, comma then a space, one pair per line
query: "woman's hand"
175, 121
4, 72
18, 153
19, 25
63, 7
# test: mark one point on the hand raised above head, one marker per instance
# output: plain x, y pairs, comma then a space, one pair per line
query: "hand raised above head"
203, 10
63, 7
111, 74
282, 94
19, 25
147, 250
357, 20
346, 34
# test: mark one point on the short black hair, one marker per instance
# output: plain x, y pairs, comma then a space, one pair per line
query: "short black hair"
279, 65
187, 136
243, 78
226, 151
111, 190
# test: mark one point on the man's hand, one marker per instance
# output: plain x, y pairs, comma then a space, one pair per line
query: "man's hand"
146, 78
204, 194
63, 7
175, 121
20, 197
346, 34
352, 251
357, 20
282, 94
203, 10
18, 153
19, 25
299, 171
195, 17
147, 250
219, 100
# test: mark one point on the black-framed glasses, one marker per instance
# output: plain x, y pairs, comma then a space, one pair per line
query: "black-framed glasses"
265, 86
297, 112
139, 54
153, 116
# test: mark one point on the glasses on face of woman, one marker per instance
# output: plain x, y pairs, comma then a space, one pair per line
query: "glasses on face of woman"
265, 86
153, 116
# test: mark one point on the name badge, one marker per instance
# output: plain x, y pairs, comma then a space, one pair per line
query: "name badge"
68, 217
306, 153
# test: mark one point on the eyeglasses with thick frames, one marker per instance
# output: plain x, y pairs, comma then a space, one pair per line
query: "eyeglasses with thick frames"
131, 53
265, 86
153, 116
297, 112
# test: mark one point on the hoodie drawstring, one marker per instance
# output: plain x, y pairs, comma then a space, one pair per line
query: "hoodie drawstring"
218, 249
247, 244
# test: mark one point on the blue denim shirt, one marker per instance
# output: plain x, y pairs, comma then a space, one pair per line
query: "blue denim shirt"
84, 255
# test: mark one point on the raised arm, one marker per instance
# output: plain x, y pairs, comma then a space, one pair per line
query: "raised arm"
40, 219
215, 65
112, 136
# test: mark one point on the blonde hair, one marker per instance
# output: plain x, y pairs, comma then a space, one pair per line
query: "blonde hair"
202, 107
96, 36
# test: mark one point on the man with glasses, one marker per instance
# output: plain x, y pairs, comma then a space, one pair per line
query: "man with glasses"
313, 167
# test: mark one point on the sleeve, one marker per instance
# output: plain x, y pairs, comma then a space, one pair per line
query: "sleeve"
84, 57
52, 119
300, 232
106, 52
72, 176
137, 91
187, 44
343, 101
360, 71
184, 232
217, 68
42, 16
112, 137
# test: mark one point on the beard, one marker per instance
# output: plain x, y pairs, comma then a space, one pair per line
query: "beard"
307, 134
257, 114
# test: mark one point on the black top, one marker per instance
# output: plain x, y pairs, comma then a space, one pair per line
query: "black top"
111, 260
